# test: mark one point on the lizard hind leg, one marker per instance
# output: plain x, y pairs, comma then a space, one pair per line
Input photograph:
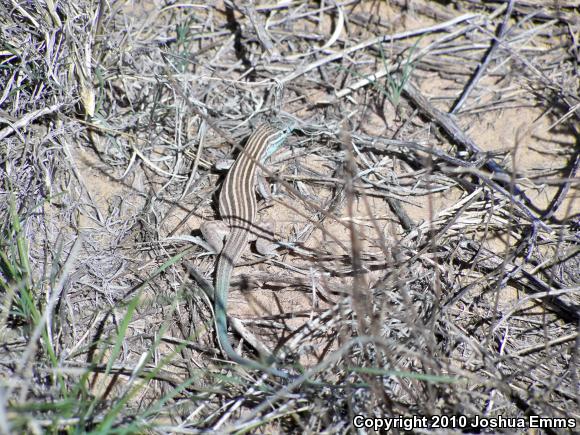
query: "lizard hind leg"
215, 233
265, 239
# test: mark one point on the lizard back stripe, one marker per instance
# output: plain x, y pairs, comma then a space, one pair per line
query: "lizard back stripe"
237, 203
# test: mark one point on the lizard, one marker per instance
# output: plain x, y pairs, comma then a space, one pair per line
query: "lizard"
238, 208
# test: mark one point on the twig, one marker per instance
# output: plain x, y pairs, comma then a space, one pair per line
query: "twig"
483, 65
471, 252
447, 123
372, 41
27, 119
563, 191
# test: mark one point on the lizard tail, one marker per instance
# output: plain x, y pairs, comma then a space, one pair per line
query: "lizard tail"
221, 322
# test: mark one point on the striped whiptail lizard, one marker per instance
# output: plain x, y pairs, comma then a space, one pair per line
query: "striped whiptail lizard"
238, 207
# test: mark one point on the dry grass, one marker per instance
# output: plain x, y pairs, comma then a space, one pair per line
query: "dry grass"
427, 214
